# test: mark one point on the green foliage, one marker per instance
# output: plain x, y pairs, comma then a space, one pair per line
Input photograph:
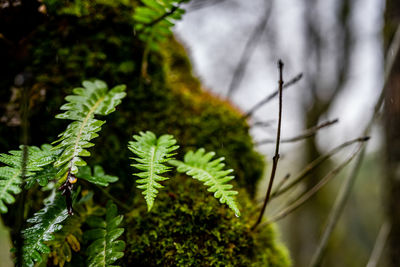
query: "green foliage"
98, 176
151, 154
45, 223
93, 99
69, 239
105, 249
155, 19
10, 175
200, 166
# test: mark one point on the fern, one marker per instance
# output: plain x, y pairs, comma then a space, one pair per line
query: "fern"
155, 19
93, 99
105, 249
10, 175
200, 166
152, 153
98, 177
69, 238
46, 222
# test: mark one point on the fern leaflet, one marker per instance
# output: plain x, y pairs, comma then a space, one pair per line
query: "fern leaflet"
155, 19
98, 176
46, 222
152, 153
200, 166
105, 249
93, 99
10, 175
70, 237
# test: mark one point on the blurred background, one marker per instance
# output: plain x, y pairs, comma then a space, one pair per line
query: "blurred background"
335, 51
339, 47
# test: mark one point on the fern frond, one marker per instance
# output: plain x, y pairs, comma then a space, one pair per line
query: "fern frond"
200, 166
152, 153
98, 177
105, 249
10, 175
70, 237
93, 99
155, 19
46, 222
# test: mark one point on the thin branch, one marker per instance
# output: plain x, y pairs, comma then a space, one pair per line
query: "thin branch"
307, 195
314, 164
347, 185
379, 245
249, 48
282, 182
276, 156
262, 123
307, 134
272, 96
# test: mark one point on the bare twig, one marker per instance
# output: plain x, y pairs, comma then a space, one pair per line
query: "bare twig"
307, 133
249, 48
314, 164
282, 182
276, 156
347, 185
379, 245
262, 123
272, 96
307, 195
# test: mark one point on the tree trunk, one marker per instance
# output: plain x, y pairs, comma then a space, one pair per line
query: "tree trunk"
392, 135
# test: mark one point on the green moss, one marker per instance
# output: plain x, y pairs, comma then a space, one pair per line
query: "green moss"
188, 226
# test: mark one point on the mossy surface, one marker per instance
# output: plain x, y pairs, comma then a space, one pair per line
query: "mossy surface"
187, 226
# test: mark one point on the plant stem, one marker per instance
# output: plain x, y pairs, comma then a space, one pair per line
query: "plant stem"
314, 164
307, 133
276, 156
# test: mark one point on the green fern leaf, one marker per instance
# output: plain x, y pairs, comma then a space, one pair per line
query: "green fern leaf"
93, 99
70, 237
10, 175
200, 166
98, 177
105, 249
155, 19
152, 153
46, 222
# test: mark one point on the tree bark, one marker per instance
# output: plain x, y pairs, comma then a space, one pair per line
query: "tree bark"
392, 136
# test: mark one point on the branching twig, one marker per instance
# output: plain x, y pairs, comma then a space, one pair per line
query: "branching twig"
251, 44
347, 185
307, 133
314, 164
379, 245
276, 156
272, 96
307, 195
